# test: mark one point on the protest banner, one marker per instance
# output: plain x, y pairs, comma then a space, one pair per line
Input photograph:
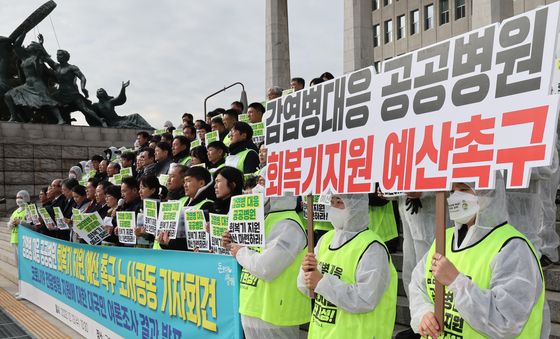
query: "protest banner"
150, 215
243, 118
197, 237
246, 220
168, 221
125, 172
177, 132
159, 131
59, 218
258, 132
117, 179
77, 216
46, 217
455, 111
211, 137
162, 178
218, 226
196, 143
116, 292
126, 223
90, 228
319, 210
33, 214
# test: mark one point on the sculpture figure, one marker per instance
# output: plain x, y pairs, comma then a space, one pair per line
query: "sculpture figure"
105, 107
33, 94
67, 93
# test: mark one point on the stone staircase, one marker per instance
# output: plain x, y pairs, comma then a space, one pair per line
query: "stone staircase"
8, 269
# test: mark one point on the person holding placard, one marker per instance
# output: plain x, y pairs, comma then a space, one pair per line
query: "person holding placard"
81, 203
218, 125
494, 285
175, 190
150, 189
180, 148
101, 198
352, 275
230, 117
270, 304
228, 183
243, 153
112, 195
18, 216
200, 196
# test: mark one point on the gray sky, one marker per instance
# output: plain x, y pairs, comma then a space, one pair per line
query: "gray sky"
176, 53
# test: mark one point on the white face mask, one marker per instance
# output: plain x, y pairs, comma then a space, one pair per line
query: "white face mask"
462, 206
20, 202
338, 217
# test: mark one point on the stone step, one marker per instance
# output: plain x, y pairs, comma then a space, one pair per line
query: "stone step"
403, 314
555, 331
398, 328
554, 304
9, 272
552, 278
397, 260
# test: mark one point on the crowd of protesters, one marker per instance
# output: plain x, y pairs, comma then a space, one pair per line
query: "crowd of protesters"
350, 271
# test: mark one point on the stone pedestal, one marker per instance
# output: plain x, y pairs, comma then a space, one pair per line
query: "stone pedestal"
277, 68
32, 155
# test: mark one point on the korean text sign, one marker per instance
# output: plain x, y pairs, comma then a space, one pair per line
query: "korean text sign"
458, 110
129, 292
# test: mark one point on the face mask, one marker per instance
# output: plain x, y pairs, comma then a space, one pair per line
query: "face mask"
338, 217
20, 202
462, 206
72, 176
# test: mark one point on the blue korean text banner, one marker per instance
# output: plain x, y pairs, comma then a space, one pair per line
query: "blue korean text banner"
135, 292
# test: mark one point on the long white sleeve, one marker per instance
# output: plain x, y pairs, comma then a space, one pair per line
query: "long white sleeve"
418, 300
282, 245
372, 279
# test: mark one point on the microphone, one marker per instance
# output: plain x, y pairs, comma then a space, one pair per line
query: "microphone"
120, 203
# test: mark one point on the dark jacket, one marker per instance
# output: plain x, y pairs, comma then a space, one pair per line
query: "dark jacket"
163, 166
181, 155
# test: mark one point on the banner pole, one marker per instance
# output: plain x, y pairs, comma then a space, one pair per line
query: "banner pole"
440, 248
310, 240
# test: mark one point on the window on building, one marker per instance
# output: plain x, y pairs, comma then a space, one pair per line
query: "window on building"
428, 17
387, 2
375, 4
401, 27
414, 21
388, 31
460, 9
443, 12
376, 35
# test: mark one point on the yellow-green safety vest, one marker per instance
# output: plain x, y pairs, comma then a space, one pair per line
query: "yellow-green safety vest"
279, 301
185, 160
227, 140
17, 214
382, 221
474, 262
331, 322
199, 205
238, 160
212, 170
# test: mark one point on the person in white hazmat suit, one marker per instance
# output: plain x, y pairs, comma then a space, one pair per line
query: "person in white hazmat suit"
547, 231
270, 304
352, 274
493, 280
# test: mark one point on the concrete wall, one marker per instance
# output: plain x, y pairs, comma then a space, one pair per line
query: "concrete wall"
32, 155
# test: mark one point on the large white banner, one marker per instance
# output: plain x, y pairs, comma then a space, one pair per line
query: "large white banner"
458, 110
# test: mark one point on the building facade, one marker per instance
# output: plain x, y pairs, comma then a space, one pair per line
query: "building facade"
401, 26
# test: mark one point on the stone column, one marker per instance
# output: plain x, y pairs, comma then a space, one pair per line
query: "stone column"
486, 12
277, 44
358, 34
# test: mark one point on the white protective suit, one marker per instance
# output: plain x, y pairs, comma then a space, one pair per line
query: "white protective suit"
418, 233
502, 310
372, 273
547, 232
525, 206
282, 246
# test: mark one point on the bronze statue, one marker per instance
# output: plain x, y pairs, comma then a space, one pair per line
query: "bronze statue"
67, 93
105, 107
33, 94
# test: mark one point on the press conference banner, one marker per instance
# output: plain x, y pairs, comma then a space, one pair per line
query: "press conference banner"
115, 292
458, 110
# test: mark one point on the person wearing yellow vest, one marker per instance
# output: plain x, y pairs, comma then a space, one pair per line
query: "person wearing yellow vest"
17, 217
270, 304
230, 117
352, 275
180, 148
493, 281
217, 152
242, 151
